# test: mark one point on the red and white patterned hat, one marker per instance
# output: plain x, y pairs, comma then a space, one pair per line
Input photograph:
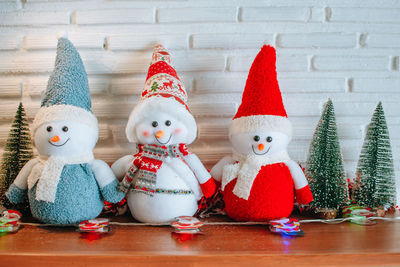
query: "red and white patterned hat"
163, 91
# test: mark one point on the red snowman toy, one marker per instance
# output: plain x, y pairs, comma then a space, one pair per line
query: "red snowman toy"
259, 181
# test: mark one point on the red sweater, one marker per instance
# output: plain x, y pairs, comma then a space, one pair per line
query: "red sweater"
271, 196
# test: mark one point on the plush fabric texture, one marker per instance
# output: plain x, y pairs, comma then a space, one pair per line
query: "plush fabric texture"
163, 91
110, 192
47, 174
16, 194
261, 95
68, 84
64, 112
246, 171
257, 122
304, 195
162, 104
142, 175
73, 203
67, 96
271, 196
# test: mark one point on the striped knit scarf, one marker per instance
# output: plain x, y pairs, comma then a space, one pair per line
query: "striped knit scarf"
142, 175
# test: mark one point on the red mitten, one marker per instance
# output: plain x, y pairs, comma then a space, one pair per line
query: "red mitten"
209, 188
304, 195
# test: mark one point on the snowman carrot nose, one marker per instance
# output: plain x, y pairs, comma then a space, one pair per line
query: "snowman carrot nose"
261, 147
159, 134
55, 138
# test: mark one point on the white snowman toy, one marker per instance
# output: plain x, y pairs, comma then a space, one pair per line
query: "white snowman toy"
65, 184
163, 180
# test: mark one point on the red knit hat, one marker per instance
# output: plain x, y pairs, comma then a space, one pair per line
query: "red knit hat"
262, 107
163, 91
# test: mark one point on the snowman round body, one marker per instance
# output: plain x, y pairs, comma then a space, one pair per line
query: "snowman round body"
163, 206
176, 189
268, 174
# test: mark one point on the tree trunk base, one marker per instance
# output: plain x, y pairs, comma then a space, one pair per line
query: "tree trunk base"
380, 211
326, 214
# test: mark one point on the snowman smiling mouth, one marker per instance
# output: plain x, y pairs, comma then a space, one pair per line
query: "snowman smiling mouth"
162, 142
260, 154
58, 145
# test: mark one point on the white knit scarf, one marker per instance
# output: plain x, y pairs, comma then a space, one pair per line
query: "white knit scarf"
247, 169
48, 171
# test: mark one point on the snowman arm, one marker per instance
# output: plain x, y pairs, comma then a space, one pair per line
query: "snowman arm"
121, 166
18, 189
107, 182
206, 182
218, 168
303, 191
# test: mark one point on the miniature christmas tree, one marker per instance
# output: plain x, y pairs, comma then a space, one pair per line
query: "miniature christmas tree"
375, 183
324, 168
17, 152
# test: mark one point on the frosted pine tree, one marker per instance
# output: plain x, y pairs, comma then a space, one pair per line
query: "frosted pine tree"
18, 151
324, 170
375, 182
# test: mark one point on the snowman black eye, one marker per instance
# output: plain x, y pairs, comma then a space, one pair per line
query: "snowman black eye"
168, 123
65, 129
49, 128
256, 138
269, 139
154, 124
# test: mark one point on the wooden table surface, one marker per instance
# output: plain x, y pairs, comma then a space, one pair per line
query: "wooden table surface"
344, 244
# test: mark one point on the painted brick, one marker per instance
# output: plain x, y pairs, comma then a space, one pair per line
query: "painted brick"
285, 63
111, 154
104, 132
317, 14
275, 14
99, 62
219, 84
111, 110
35, 18
94, 40
362, 108
214, 130
115, 16
376, 85
118, 132
127, 86
231, 41
147, 41
8, 109
26, 63
213, 109
10, 87
209, 155
317, 40
40, 41
49, 41
4, 131
6, 6
377, 15
335, 63
383, 40
10, 41
196, 15
306, 85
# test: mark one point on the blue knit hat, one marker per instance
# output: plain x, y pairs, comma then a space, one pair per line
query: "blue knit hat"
68, 84
67, 96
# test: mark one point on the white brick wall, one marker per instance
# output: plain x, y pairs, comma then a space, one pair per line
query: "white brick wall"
345, 50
